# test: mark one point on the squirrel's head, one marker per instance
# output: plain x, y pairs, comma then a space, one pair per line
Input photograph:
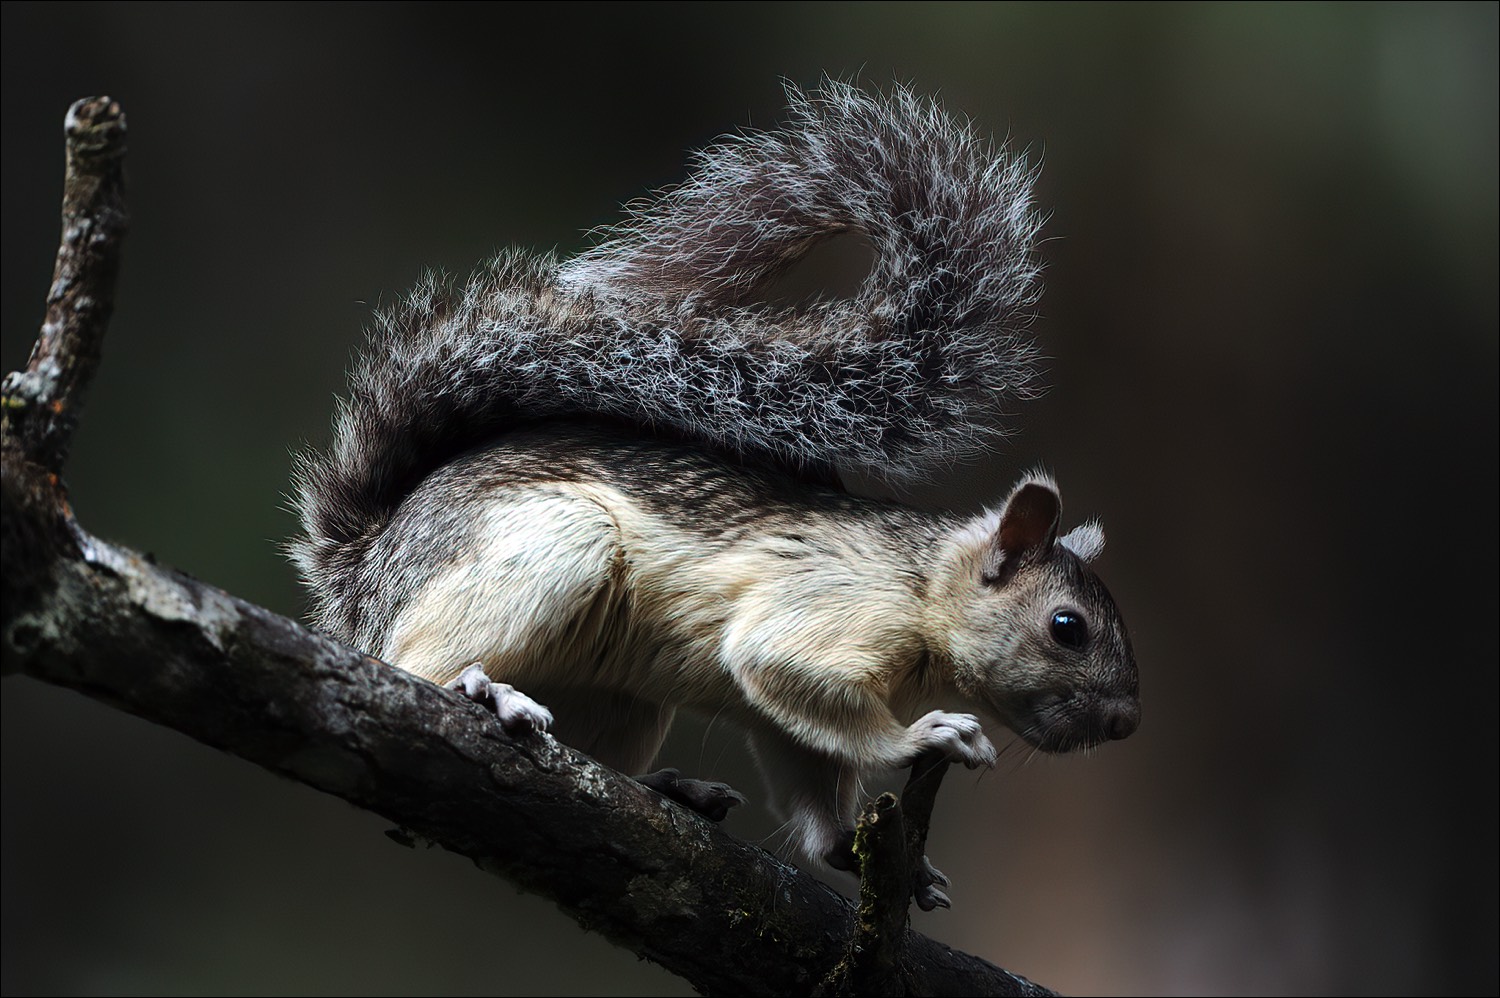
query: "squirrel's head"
1031, 631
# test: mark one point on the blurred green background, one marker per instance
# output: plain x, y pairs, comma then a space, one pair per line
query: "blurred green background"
1271, 313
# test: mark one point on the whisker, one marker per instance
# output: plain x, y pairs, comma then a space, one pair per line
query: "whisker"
703, 742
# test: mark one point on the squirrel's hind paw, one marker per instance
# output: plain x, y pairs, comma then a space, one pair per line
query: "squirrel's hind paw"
712, 800
925, 887
518, 713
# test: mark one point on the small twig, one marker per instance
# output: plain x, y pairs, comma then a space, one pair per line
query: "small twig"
873, 963
917, 800
41, 403
890, 841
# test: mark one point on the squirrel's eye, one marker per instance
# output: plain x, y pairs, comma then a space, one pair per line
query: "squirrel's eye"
1069, 630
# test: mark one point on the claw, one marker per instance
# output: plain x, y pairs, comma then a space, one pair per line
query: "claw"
472, 683
930, 897
926, 882
928, 874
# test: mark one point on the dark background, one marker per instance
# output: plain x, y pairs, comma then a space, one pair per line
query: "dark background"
1271, 309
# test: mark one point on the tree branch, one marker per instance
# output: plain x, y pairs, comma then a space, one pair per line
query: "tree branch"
106, 621
42, 402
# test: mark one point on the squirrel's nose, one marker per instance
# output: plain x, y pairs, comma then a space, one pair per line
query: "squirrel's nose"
1122, 718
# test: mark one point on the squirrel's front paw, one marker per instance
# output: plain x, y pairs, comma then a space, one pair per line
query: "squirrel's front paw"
960, 737
517, 711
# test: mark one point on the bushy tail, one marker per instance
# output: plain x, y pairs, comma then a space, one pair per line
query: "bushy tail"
950, 218
653, 327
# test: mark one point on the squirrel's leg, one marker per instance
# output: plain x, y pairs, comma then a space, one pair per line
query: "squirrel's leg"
835, 722
818, 797
813, 792
828, 688
840, 710
526, 600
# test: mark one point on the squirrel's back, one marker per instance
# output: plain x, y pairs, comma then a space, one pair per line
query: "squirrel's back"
655, 327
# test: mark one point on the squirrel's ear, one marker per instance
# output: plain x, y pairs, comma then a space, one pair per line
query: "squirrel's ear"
1027, 529
1086, 540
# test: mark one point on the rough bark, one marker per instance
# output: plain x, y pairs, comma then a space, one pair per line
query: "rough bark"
43, 401
106, 621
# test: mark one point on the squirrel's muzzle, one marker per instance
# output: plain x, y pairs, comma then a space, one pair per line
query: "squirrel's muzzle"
1063, 722
1121, 718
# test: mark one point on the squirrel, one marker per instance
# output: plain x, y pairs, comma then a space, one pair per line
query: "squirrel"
613, 482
